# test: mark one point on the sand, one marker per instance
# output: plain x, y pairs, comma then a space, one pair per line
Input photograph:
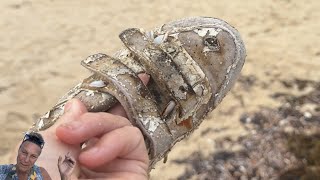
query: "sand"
43, 42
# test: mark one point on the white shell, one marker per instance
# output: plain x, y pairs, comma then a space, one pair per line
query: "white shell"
159, 39
40, 125
98, 84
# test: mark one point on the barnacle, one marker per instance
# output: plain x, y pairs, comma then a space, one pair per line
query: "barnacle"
192, 62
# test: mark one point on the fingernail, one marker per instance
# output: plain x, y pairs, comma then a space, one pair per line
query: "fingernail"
72, 125
144, 74
68, 106
93, 150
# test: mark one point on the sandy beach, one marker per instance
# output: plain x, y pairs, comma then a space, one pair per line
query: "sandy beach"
43, 42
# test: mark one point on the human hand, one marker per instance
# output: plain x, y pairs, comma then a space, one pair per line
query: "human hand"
66, 166
114, 148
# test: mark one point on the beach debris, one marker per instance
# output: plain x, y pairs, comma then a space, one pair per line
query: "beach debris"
192, 63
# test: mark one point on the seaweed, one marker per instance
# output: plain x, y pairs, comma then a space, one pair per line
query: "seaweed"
282, 143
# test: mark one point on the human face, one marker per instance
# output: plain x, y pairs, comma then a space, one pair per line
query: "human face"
27, 155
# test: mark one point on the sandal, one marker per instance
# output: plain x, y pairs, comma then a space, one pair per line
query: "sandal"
192, 64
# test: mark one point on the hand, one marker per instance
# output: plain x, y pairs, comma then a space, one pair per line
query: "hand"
114, 148
66, 166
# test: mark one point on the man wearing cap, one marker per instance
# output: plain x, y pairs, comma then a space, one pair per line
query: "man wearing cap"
28, 153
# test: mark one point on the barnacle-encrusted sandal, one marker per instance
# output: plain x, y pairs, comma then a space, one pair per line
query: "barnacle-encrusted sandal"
192, 62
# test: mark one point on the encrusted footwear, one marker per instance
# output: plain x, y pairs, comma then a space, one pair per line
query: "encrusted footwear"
192, 62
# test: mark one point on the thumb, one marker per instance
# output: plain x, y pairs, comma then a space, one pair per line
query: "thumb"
74, 107
72, 110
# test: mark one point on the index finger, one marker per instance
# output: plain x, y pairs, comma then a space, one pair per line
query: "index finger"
90, 125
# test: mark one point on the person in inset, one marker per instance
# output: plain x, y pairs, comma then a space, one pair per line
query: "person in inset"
28, 153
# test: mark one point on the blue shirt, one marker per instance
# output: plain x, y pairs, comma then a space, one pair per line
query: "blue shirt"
10, 169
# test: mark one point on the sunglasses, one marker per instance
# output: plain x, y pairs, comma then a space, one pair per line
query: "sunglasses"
33, 139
